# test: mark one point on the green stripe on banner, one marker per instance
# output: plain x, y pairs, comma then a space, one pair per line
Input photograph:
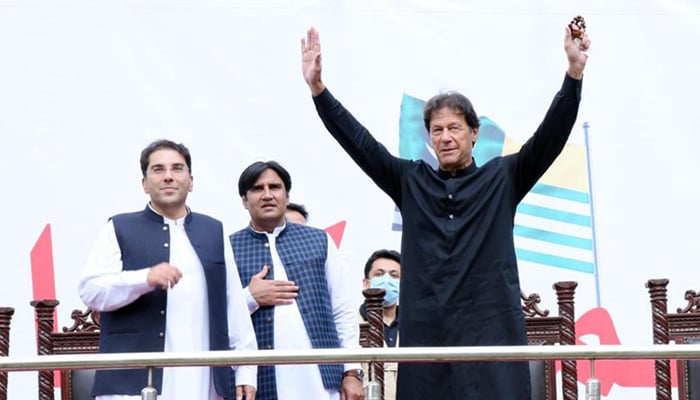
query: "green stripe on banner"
553, 237
556, 215
554, 261
561, 193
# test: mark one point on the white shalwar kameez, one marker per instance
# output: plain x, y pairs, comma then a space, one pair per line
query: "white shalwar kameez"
106, 287
303, 381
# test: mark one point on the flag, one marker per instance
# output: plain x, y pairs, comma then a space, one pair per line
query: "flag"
553, 223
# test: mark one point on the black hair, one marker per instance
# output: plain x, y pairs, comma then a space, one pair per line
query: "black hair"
383, 253
251, 174
298, 208
164, 144
455, 101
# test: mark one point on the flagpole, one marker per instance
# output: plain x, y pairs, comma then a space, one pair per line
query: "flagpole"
596, 276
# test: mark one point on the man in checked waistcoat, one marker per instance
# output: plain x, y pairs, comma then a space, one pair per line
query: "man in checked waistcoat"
295, 292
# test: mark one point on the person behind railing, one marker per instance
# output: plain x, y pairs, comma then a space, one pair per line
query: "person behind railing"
163, 280
459, 283
383, 271
297, 213
295, 289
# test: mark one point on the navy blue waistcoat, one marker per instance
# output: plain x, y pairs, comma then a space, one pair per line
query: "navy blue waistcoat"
303, 251
140, 326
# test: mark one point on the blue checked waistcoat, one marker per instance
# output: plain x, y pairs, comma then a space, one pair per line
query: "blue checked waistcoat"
144, 241
303, 251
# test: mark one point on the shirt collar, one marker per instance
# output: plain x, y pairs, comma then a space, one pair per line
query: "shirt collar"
276, 232
180, 221
459, 173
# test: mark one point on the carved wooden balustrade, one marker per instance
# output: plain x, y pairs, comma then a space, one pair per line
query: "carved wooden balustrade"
550, 330
5, 318
541, 329
81, 338
374, 333
680, 327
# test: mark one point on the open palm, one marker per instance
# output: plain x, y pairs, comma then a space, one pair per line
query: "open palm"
311, 61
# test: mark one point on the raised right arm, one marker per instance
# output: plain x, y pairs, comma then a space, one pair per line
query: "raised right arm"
370, 155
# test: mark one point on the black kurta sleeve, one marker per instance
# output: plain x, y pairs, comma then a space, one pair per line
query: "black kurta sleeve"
540, 151
370, 155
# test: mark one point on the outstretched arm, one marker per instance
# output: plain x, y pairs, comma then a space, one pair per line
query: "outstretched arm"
540, 151
370, 155
311, 61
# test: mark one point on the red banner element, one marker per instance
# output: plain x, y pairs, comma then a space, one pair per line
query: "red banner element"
623, 373
43, 282
336, 231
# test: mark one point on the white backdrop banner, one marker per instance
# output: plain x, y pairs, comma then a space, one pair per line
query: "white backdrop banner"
85, 85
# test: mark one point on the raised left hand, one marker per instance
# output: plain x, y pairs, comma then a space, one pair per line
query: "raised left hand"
576, 52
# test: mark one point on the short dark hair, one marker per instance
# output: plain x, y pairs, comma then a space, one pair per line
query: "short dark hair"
455, 101
382, 253
298, 208
164, 144
251, 174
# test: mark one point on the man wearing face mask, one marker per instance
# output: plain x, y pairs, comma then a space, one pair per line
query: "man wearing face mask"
383, 271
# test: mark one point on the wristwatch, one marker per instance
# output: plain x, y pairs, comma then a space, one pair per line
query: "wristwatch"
357, 373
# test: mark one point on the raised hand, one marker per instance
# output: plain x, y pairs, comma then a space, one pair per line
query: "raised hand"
311, 61
271, 292
576, 43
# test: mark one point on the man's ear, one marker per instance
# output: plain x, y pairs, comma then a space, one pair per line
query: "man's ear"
244, 201
143, 183
365, 283
475, 135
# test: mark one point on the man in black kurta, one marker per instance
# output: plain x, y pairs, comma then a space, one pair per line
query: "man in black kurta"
460, 284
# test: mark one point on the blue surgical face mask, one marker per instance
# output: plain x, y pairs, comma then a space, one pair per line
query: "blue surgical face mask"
390, 285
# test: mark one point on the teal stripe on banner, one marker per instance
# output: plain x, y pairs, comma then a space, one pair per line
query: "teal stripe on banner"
554, 261
561, 193
556, 215
553, 237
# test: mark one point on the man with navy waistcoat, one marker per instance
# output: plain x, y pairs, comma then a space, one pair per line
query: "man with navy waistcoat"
163, 280
295, 292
